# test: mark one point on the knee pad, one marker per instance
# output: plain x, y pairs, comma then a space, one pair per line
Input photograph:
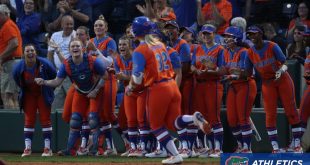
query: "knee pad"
93, 120
76, 121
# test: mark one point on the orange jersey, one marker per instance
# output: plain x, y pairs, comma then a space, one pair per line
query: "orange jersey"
124, 66
204, 58
267, 60
105, 45
236, 60
154, 62
183, 49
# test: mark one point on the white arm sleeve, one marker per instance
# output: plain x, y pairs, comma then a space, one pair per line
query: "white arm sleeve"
137, 78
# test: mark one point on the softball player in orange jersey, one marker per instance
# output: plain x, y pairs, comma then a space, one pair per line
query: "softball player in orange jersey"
269, 61
152, 65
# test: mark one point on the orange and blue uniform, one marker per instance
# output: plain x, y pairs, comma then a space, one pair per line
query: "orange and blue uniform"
33, 98
209, 90
186, 87
155, 63
267, 61
305, 101
240, 96
83, 108
106, 45
67, 110
134, 107
125, 66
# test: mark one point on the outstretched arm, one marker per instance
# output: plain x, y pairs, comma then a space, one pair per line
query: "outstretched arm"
51, 83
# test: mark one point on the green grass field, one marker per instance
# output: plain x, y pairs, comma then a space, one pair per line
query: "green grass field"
36, 158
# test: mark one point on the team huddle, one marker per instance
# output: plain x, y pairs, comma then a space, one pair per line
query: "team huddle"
170, 84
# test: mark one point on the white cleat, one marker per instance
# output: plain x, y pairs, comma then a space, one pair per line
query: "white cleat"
173, 160
137, 153
205, 152
27, 152
185, 153
125, 154
200, 122
110, 152
82, 151
157, 154
216, 154
47, 152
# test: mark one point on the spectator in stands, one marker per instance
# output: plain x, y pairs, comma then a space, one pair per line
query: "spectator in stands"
11, 8
10, 52
29, 23
260, 11
217, 11
159, 10
302, 19
58, 50
34, 98
80, 10
297, 49
271, 34
185, 11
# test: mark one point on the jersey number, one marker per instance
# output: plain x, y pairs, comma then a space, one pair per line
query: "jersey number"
162, 60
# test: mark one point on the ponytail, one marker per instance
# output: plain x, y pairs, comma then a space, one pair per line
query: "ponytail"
150, 40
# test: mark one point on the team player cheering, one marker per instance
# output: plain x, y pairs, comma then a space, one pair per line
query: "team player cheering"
169, 85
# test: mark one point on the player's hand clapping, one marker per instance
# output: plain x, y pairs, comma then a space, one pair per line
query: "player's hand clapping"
39, 81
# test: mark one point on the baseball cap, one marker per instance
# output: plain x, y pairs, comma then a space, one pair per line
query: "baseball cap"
187, 29
173, 23
254, 29
169, 17
208, 28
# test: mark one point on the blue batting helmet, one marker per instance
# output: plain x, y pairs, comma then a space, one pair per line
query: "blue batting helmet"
234, 31
142, 26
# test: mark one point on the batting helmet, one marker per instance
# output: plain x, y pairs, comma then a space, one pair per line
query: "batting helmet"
234, 31
142, 26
